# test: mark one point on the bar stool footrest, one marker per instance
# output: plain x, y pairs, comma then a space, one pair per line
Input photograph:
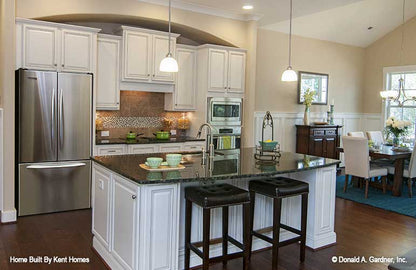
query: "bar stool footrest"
235, 242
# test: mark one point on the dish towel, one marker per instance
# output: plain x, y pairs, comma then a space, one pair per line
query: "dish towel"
226, 142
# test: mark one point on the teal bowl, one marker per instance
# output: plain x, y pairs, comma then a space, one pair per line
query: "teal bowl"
173, 160
268, 146
154, 162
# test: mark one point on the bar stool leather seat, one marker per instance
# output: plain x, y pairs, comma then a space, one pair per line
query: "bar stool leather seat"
217, 195
279, 187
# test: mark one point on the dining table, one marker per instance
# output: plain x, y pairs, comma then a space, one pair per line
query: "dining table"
398, 156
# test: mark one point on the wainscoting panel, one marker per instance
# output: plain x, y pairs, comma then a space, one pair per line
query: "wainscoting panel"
285, 129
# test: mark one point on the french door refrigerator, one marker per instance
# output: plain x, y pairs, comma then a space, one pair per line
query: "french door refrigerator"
53, 122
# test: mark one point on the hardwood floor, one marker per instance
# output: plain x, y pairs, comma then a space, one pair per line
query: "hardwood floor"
361, 231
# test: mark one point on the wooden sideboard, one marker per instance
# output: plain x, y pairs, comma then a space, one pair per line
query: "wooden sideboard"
319, 140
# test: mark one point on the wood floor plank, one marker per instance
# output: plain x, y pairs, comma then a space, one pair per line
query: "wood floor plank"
361, 230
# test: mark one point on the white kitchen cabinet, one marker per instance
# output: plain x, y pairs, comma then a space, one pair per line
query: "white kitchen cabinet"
159, 231
142, 148
108, 70
193, 146
77, 51
143, 50
160, 50
110, 149
124, 222
53, 46
101, 207
218, 70
236, 72
170, 147
184, 96
221, 70
136, 56
39, 47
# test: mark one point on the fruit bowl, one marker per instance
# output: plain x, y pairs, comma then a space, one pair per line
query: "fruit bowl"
268, 145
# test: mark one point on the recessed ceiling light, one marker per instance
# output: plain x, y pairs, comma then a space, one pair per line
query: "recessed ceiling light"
247, 7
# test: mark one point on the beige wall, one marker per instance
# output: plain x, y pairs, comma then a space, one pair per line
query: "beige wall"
385, 52
344, 64
7, 63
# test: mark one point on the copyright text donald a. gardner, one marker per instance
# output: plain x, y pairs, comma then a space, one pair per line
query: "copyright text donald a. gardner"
368, 259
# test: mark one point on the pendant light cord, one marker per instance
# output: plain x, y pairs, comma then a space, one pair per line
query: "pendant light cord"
170, 8
290, 36
401, 48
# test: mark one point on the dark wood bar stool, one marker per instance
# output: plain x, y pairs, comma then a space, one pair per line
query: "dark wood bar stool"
214, 196
279, 188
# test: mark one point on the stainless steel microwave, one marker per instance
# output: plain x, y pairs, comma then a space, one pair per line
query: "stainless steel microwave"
225, 111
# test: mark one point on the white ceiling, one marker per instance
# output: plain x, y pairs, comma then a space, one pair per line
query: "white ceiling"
342, 21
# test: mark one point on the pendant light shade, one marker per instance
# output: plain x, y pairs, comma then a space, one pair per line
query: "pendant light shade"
289, 75
169, 64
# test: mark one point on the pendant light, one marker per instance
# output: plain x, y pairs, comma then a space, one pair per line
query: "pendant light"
289, 75
169, 64
402, 95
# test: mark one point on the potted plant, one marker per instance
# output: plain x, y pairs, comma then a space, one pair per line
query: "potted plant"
397, 128
308, 97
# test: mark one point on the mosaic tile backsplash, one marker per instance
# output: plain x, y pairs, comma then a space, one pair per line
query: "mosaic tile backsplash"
141, 112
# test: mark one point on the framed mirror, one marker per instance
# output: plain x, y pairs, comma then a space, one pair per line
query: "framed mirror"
317, 82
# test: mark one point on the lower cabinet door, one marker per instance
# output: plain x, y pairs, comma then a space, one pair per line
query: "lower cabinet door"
101, 205
124, 225
159, 230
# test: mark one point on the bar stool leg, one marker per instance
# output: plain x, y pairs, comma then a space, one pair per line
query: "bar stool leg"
250, 240
277, 207
224, 233
304, 214
205, 239
246, 235
188, 220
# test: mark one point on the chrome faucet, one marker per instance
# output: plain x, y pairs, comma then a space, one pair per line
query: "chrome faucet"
209, 140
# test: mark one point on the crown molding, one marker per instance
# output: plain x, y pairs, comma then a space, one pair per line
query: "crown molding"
206, 10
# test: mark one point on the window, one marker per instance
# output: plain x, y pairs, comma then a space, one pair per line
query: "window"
408, 110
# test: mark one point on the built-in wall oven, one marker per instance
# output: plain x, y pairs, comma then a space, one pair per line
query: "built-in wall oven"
225, 111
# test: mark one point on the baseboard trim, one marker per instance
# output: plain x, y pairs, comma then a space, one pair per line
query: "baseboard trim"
9, 216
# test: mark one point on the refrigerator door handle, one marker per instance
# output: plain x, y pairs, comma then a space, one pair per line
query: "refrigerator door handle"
53, 117
61, 126
54, 166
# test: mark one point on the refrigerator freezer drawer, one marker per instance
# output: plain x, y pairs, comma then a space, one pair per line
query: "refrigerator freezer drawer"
54, 186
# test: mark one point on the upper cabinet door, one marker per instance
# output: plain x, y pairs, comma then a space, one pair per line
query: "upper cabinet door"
136, 56
236, 72
160, 50
108, 70
218, 70
185, 90
40, 47
77, 51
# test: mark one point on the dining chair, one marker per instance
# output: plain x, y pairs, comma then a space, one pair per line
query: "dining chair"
356, 134
375, 136
409, 171
357, 163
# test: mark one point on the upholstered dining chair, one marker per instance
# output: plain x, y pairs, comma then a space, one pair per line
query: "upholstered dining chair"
356, 134
375, 136
409, 171
357, 164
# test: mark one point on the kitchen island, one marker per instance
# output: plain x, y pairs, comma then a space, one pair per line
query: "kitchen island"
138, 216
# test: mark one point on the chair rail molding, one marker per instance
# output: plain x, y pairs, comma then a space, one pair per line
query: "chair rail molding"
285, 130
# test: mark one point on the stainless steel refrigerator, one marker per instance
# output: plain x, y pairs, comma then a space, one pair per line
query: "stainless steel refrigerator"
53, 114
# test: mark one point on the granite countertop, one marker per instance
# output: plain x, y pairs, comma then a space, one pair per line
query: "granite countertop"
242, 165
145, 140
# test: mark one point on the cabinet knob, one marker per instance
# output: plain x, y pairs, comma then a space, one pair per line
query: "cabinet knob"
225, 88
63, 65
133, 197
55, 64
153, 75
